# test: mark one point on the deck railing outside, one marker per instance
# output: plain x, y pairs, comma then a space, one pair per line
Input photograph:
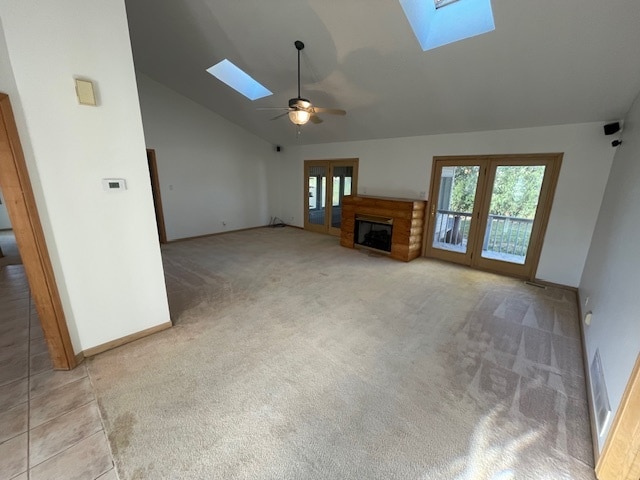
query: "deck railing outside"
504, 235
508, 235
452, 229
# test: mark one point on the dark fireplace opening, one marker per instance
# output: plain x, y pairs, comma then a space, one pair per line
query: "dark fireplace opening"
373, 232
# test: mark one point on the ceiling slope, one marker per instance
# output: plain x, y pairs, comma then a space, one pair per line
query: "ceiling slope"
546, 63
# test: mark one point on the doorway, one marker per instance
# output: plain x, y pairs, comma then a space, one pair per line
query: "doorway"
155, 191
491, 212
23, 214
326, 182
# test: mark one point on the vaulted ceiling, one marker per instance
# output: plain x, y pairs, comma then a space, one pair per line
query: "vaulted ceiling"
546, 63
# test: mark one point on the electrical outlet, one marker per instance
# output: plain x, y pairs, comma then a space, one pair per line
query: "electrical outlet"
423, 194
588, 318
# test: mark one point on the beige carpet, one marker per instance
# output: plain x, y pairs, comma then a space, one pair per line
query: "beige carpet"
295, 358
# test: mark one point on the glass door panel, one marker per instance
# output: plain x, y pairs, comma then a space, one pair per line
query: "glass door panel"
512, 210
342, 181
490, 212
317, 195
452, 220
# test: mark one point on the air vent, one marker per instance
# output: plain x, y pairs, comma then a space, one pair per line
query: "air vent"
600, 397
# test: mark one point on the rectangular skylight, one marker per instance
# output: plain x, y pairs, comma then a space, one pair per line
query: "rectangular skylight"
228, 73
439, 22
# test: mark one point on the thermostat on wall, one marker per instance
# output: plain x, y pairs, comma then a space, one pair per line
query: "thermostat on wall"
114, 184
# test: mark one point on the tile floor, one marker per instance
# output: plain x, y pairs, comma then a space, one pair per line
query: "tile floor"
50, 425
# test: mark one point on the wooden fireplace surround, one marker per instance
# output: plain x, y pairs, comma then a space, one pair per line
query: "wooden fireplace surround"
408, 222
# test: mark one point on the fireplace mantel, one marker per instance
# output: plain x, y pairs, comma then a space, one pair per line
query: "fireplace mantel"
408, 222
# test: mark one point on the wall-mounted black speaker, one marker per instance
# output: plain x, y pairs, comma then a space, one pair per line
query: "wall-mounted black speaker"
611, 128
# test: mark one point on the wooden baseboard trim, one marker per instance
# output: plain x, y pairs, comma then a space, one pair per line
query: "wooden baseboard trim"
294, 226
556, 285
184, 239
587, 377
90, 352
79, 358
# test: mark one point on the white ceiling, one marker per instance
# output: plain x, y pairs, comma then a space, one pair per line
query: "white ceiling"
547, 63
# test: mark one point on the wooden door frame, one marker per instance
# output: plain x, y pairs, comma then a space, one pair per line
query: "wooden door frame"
23, 213
552, 161
434, 189
620, 457
328, 164
157, 197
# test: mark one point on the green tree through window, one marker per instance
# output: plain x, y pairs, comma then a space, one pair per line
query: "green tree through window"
515, 190
463, 192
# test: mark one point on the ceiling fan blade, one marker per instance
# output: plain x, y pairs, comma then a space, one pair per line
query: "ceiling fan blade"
280, 116
303, 110
332, 111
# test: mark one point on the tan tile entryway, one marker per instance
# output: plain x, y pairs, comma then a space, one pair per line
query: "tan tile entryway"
50, 425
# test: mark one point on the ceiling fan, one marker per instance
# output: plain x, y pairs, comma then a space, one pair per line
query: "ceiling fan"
301, 110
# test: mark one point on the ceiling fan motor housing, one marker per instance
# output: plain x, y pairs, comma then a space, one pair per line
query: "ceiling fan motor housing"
300, 104
300, 110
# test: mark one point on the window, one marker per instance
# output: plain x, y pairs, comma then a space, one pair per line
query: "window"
435, 26
228, 73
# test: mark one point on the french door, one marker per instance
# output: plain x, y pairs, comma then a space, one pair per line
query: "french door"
325, 183
491, 212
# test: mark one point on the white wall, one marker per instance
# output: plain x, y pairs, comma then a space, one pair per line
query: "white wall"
401, 167
103, 245
9, 87
4, 216
211, 171
612, 271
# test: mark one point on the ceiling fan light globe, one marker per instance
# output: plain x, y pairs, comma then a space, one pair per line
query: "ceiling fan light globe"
299, 117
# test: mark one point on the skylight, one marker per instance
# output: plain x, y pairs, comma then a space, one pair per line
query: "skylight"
228, 73
439, 22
